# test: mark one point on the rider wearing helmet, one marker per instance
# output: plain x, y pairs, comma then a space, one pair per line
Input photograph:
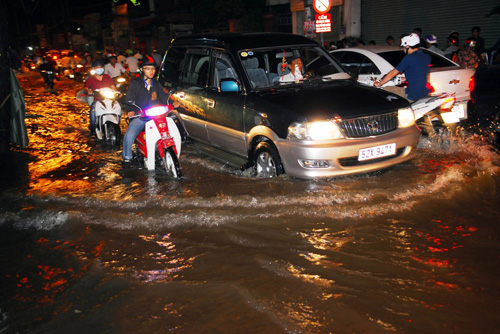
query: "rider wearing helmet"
113, 68
431, 42
144, 92
97, 81
415, 66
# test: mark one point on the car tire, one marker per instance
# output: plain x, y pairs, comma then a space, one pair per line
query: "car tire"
266, 161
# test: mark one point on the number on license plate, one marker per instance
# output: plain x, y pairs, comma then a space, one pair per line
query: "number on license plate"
377, 152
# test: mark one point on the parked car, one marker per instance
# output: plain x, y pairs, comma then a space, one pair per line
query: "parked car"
236, 103
371, 63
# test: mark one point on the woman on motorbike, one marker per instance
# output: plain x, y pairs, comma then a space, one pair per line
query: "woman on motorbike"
97, 81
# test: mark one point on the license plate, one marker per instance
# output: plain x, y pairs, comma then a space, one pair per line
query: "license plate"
459, 110
377, 152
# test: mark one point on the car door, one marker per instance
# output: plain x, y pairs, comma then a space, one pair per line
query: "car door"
225, 110
186, 71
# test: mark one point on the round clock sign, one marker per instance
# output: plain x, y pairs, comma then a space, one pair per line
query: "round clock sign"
322, 6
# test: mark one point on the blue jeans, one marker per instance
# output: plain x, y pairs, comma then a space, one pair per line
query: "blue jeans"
135, 127
92, 118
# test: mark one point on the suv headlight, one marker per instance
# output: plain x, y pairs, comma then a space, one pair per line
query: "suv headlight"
406, 118
318, 130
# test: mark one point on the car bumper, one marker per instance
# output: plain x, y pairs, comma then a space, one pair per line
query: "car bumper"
341, 156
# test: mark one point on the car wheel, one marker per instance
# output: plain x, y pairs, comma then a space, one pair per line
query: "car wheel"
267, 162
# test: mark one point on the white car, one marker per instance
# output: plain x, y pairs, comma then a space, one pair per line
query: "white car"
371, 63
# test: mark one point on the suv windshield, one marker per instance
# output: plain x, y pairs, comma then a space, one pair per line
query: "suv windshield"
272, 67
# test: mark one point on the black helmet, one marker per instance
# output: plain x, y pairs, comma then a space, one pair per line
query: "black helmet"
98, 62
148, 61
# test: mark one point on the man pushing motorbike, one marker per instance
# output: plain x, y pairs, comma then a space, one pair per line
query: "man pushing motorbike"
143, 93
97, 81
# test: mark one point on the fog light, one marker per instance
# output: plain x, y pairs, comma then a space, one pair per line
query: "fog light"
314, 163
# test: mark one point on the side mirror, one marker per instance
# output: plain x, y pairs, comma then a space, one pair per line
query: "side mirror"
229, 85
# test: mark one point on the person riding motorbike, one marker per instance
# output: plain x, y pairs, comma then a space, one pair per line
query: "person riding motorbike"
415, 65
144, 92
48, 65
87, 63
97, 81
114, 68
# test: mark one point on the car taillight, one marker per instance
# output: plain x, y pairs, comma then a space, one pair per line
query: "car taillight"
472, 86
429, 86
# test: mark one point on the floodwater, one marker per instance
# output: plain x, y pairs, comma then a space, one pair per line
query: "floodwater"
89, 248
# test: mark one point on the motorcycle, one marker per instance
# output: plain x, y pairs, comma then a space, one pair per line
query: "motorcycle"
108, 113
49, 77
439, 115
159, 145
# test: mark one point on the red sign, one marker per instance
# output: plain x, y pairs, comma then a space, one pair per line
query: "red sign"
323, 23
322, 6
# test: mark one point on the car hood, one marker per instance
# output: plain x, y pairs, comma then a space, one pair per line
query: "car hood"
345, 99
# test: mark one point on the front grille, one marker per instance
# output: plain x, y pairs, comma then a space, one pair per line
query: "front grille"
353, 161
370, 125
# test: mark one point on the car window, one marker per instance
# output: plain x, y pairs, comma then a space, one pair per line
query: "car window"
356, 63
438, 60
173, 67
269, 67
185, 66
197, 65
395, 57
223, 69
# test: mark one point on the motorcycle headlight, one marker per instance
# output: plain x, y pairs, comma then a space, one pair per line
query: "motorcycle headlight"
156, 111
406, 118
109, 94
318, 130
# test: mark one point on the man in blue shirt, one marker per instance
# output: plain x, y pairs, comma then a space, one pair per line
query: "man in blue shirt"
415, 66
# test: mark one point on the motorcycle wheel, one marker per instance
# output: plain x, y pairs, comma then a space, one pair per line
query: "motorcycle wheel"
170, 164
113, 134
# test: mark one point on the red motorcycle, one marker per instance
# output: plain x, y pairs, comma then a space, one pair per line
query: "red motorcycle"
158, 147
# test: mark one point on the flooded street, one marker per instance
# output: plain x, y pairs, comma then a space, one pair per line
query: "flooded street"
87, 247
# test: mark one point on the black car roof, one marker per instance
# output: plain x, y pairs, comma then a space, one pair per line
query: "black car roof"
240, 41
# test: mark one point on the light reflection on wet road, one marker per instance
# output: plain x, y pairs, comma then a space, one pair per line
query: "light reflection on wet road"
88, 247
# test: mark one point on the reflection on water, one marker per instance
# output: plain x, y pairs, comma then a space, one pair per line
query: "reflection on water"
414, 249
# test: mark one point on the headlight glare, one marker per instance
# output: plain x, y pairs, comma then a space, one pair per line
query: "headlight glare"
406, 118
318, 130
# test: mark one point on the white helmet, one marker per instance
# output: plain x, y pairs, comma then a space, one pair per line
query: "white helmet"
410, 40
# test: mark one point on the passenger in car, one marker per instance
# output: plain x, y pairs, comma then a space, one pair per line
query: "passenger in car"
292, 72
